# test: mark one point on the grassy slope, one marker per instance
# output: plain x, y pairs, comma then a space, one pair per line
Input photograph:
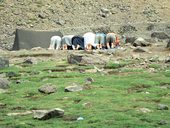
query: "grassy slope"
114, 99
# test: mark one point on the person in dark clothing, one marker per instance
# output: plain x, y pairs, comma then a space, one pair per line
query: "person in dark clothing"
78, 43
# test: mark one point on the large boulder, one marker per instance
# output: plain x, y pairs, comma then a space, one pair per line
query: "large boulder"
47, 114
4, 62
160, 35
4, 83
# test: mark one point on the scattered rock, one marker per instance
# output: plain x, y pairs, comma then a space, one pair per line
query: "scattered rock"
2, 105
160, 35
47, 114
139, 49
104, 12
89, 80
30, 61
162, 122
87, 105
20, 113
4, 83
4, 62
74, 59
167, 60
162, 107
150, 27
60, 22
42, 15
74, 88
168, 44
47, 89
18, 82
11, 74
144, 110
3, 91
140, 42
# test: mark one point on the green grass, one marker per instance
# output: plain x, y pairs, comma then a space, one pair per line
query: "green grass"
114, 98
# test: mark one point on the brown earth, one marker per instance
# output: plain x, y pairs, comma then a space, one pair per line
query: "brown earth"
79, 16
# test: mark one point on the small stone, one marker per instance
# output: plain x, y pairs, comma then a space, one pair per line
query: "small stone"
144, 110
87, 104
80, 118
4, 62
11, 74
4, 83
162, 122
89, 80
162, 107
2, 105
167, 60
42, 16
47, 89
60, 22
18, 81
30, 60
73, 88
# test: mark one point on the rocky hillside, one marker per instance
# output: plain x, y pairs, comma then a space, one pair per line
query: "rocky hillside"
78, 16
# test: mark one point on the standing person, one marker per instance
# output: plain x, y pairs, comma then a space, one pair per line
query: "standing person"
100, 39
67, 42
89, 41
112, 40
78, 43
55, 42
